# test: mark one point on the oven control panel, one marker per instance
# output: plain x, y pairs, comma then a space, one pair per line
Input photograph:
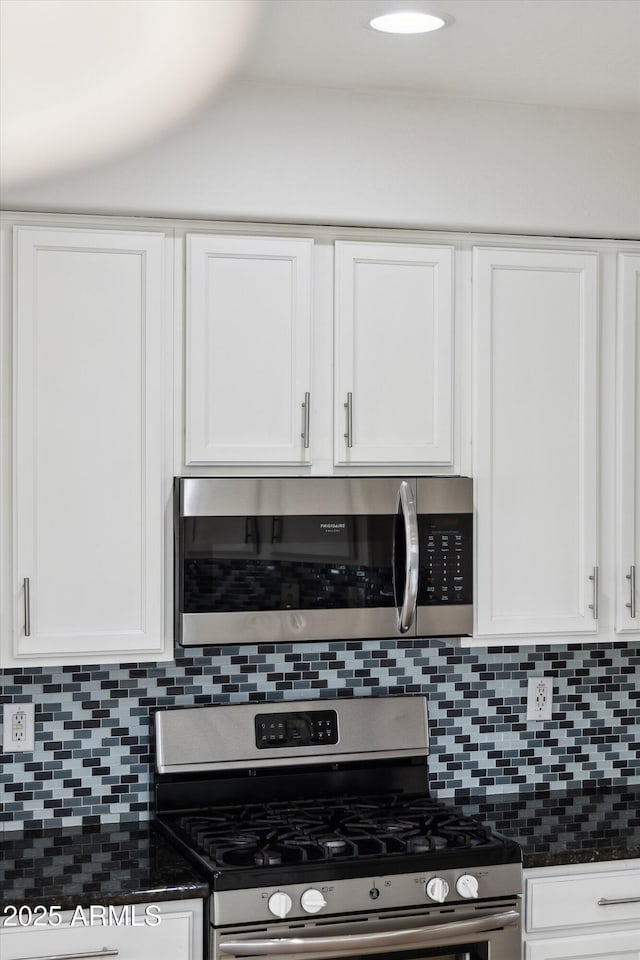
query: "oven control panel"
322, 898
296, 729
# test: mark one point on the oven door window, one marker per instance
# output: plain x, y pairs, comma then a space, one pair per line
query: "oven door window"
287, 563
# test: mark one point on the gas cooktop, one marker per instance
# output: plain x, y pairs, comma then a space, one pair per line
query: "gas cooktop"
349, 836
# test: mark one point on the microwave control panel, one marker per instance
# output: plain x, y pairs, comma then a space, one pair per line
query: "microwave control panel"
446, 559
296, 729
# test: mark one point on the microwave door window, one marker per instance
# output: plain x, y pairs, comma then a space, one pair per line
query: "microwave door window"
305, 539
220, 536
287, 563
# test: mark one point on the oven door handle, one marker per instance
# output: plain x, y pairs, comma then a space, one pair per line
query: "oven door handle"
440, 934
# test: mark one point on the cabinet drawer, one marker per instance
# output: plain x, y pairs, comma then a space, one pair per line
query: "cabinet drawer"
577, 900
603, 946
122, 933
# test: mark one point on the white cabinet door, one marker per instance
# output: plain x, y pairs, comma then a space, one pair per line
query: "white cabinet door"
248, 350
628, 442
598, 946
535, 440
91, 472
171, 930
393, 354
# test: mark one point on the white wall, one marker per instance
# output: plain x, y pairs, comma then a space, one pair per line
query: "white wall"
273, 152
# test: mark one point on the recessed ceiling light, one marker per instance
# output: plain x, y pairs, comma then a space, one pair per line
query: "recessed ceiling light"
407, 21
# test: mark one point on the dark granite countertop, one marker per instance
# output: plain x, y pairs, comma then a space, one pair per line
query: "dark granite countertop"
585, 825
105, 864
134, 862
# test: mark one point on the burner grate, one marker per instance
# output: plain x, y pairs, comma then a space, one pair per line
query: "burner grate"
274, 834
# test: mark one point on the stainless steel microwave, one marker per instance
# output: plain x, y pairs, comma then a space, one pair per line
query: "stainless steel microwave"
331, 558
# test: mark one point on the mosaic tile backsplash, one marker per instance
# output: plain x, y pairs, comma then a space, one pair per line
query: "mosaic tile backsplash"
93, 756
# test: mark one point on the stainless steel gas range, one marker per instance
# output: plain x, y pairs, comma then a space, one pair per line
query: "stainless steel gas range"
314, 824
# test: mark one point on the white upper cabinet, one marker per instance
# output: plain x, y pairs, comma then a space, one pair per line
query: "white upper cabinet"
535, 441
393, 354
248, 350
91, 479
627, 592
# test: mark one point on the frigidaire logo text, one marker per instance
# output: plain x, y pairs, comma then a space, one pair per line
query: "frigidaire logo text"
333, 527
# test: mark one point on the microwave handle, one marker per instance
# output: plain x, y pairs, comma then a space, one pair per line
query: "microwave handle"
407, 504
440, 934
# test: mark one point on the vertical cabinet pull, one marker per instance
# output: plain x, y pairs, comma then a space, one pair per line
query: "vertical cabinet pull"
306, 413
27, 607
594, 606
631, 577
349, 408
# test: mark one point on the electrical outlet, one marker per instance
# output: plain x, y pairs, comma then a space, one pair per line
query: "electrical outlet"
540, 698
18, 727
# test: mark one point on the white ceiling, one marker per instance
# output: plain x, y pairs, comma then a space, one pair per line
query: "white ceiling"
576, 53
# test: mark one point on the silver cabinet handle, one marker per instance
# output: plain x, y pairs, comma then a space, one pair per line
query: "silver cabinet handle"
605, 902
408, 505
631, 577
27, 607
439, 934
105, 952
594, 606
349, 408
306, 413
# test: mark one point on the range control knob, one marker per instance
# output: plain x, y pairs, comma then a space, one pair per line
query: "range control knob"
467, 886
437, 889
279, 904
312, 901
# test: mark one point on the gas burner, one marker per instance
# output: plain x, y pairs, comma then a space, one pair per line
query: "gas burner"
335, 847
242, 839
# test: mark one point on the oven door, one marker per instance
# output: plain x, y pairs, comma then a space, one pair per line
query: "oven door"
482, 932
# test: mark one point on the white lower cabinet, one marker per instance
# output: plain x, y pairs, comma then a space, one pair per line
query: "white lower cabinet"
606, 946
171, 930
584, 912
